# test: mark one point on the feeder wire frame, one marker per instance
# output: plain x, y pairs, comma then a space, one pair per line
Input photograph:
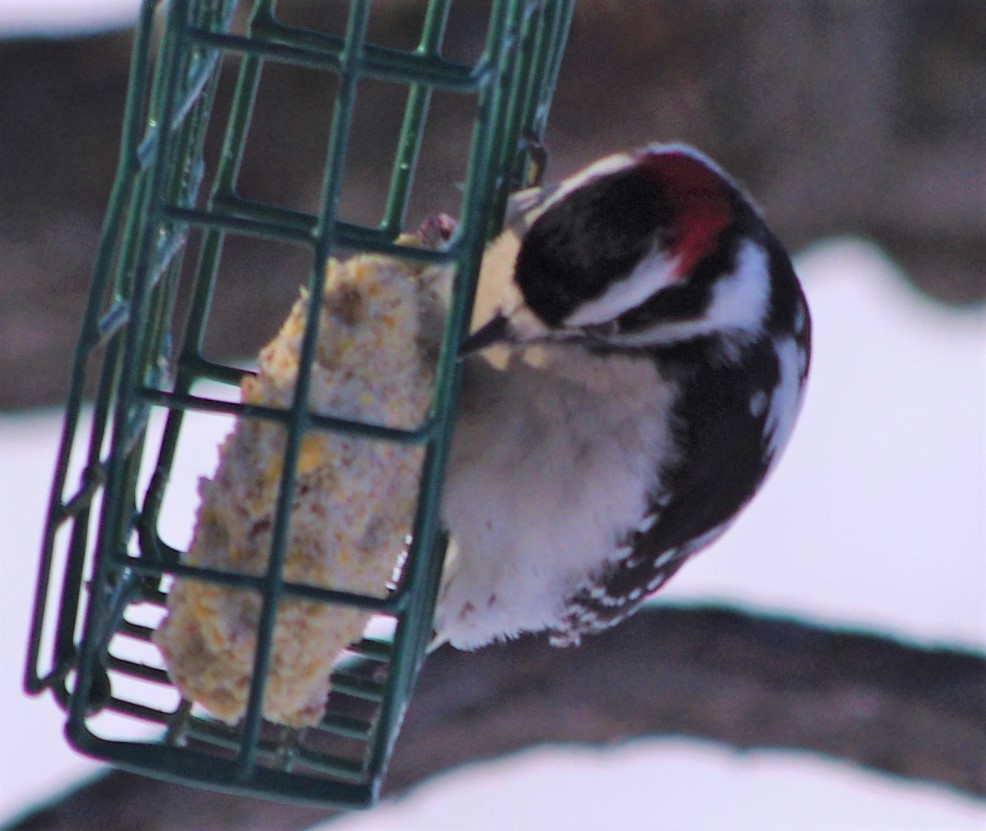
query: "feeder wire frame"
101, 552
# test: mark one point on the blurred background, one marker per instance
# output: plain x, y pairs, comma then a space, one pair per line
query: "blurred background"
858, 128
840, 117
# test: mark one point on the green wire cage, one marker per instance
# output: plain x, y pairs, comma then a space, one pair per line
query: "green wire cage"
106, 564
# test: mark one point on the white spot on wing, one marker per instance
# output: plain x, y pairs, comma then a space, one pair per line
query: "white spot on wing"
758, 403
701, 541
666, 558
800, 317
786, 400
802, 362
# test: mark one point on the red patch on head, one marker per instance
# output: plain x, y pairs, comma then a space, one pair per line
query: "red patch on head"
701, 203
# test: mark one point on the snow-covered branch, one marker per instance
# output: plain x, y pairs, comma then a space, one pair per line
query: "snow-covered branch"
742, 679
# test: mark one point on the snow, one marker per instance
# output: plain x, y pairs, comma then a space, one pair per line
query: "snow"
874, 519
68, 18
672, 784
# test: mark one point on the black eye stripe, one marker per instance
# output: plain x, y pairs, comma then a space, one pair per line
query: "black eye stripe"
602, 331
691, 297
673, 303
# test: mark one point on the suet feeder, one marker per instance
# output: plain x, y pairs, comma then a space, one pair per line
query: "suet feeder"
145, 359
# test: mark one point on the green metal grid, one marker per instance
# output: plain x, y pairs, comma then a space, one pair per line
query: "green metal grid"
102, 555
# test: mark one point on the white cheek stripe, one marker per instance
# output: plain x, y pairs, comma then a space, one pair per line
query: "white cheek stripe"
740, 302
653, 273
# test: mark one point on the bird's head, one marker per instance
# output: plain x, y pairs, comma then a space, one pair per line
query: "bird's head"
636, 251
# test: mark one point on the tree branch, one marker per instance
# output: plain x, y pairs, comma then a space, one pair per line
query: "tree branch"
744, 680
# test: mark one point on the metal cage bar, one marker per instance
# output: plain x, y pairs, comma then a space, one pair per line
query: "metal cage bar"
103, 561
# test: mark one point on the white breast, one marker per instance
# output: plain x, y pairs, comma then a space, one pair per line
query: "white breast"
553, 458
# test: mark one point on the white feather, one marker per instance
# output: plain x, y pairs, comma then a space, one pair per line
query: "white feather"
651, 274
785, 401
516, 468
740, 302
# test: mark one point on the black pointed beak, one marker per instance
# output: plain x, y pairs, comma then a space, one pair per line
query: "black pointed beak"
497, 330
